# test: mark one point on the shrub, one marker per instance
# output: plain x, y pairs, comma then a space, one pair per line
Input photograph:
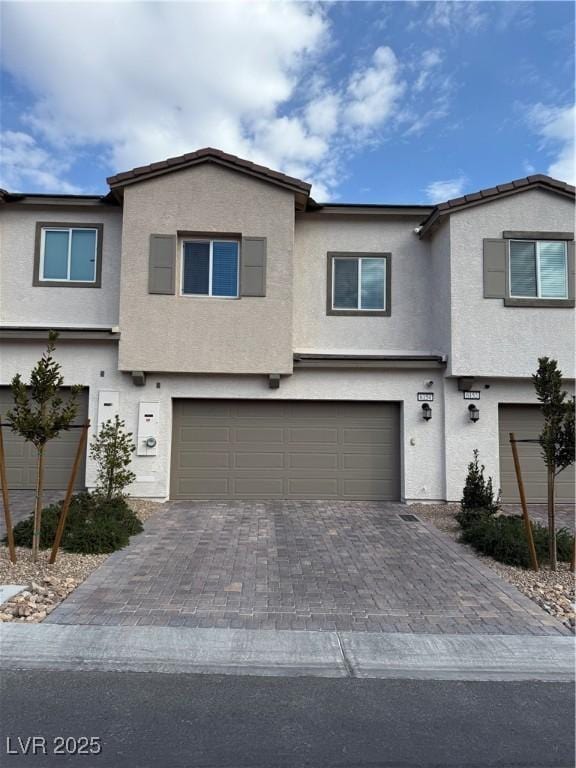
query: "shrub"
94, 525
112, 451
504, 539
477, 495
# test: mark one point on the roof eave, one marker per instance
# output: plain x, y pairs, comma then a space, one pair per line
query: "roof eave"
299, 188
494, 194
33, 198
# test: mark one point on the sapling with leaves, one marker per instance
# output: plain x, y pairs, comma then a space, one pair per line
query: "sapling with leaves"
557, 436
39, 414
478, 494
112, 451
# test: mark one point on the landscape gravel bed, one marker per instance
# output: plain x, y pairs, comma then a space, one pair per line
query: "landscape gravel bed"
553, 591
47, 585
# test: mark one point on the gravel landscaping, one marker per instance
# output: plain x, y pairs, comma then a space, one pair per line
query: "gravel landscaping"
553, 591
47, 585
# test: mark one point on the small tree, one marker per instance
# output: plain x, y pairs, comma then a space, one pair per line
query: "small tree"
557, 436
39, 415
112, 451
478, 493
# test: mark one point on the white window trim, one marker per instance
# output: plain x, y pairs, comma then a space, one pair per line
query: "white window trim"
67, 279
211, 242
359, 259
538, 288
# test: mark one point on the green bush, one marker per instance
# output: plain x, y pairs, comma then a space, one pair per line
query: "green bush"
478, 495
504, 539
93, 526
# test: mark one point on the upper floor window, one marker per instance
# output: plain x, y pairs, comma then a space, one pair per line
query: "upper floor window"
538, 269
210, 268
68, 255
359, 283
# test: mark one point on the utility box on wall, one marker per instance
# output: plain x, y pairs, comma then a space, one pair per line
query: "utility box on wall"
148, 429
108, 406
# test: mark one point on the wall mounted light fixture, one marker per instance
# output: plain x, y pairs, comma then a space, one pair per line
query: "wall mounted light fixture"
474, 413
426, 412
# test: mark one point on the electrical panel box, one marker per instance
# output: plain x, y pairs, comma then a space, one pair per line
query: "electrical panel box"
108, 406
148, 429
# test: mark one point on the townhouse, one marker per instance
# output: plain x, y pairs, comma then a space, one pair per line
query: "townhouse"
261, 345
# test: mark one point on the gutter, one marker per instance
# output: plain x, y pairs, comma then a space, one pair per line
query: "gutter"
302, 360
8, 333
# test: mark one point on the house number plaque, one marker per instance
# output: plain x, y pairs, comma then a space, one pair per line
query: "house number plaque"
472, 394
425, 397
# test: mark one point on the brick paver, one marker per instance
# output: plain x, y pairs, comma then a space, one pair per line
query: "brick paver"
300, 565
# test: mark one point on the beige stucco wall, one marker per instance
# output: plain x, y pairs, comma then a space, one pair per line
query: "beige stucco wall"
21, 303
406, 330
489, 339
208, 335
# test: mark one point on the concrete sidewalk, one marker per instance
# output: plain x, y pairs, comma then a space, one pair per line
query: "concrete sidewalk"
286, 653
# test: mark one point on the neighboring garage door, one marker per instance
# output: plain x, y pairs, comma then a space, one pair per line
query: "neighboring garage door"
21, 456
526, 423
238, 449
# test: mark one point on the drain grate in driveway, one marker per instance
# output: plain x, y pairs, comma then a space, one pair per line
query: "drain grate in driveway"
410, 518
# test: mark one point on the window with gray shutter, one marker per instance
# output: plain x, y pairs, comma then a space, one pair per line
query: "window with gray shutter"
162, 264
538, 269
495, 259
253, 266
210, 268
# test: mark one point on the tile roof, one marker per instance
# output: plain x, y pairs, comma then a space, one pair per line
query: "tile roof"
538, 181
207, 154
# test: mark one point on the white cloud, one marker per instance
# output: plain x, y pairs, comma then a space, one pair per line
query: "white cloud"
322, 114
133, 83
27, 165
455, 15
372, 92
556, 126
152, 80
430, 60
440, 191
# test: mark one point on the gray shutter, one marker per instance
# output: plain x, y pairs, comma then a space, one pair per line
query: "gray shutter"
495, 257
571, 275
162, 264
253, 266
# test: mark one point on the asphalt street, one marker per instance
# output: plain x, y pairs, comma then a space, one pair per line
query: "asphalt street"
145, 720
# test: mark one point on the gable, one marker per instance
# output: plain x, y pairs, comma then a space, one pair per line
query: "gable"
208, 155
545, 184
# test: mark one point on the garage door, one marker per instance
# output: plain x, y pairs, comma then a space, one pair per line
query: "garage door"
526, 423
21, 456
238, 449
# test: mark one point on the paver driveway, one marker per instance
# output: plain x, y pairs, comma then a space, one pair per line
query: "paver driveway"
299, 565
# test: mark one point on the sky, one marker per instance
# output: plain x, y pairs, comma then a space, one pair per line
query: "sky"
381, 102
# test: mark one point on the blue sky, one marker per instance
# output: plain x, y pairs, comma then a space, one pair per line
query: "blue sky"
393, 102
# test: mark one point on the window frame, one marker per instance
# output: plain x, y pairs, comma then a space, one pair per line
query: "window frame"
39, 280
359, 312
211, 241
538, 296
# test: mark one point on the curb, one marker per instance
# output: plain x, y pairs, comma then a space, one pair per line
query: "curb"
62, 647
